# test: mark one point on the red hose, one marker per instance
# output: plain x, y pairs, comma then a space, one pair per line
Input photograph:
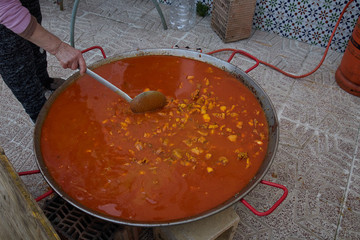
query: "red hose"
289, 74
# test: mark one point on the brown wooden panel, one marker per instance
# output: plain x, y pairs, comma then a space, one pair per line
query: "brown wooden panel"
232, 19
21, 216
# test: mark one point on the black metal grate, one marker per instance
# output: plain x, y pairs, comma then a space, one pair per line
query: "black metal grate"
73, 224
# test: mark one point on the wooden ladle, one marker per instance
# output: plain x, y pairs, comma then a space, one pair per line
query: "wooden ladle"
144, 102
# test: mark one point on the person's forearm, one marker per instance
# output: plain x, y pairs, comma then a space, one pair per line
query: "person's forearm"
68, 56
43, 38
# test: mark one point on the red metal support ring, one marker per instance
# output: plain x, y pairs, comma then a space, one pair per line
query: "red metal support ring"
281, 199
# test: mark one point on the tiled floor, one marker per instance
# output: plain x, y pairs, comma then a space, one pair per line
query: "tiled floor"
318, 158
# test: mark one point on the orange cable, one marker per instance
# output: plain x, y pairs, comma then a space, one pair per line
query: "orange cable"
317, 67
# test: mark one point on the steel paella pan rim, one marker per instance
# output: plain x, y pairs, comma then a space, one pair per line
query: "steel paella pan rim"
254, 87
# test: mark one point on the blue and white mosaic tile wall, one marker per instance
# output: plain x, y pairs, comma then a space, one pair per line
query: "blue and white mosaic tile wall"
310, 21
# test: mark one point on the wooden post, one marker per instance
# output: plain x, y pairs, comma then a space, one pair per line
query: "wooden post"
21, 217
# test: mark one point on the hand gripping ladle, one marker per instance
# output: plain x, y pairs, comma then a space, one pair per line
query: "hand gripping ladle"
144, 102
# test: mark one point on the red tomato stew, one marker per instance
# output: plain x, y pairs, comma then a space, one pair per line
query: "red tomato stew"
196, 153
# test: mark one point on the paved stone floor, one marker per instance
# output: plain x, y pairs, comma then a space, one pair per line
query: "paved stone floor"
318, 158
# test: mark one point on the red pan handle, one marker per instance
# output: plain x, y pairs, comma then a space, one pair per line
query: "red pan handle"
35, 172
41, 197
281, 199
28, 172
247, 55
95, 47
234, 51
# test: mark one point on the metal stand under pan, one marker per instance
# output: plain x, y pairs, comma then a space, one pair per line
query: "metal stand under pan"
72, 224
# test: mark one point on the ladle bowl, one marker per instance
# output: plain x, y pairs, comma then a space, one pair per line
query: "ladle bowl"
144, 102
